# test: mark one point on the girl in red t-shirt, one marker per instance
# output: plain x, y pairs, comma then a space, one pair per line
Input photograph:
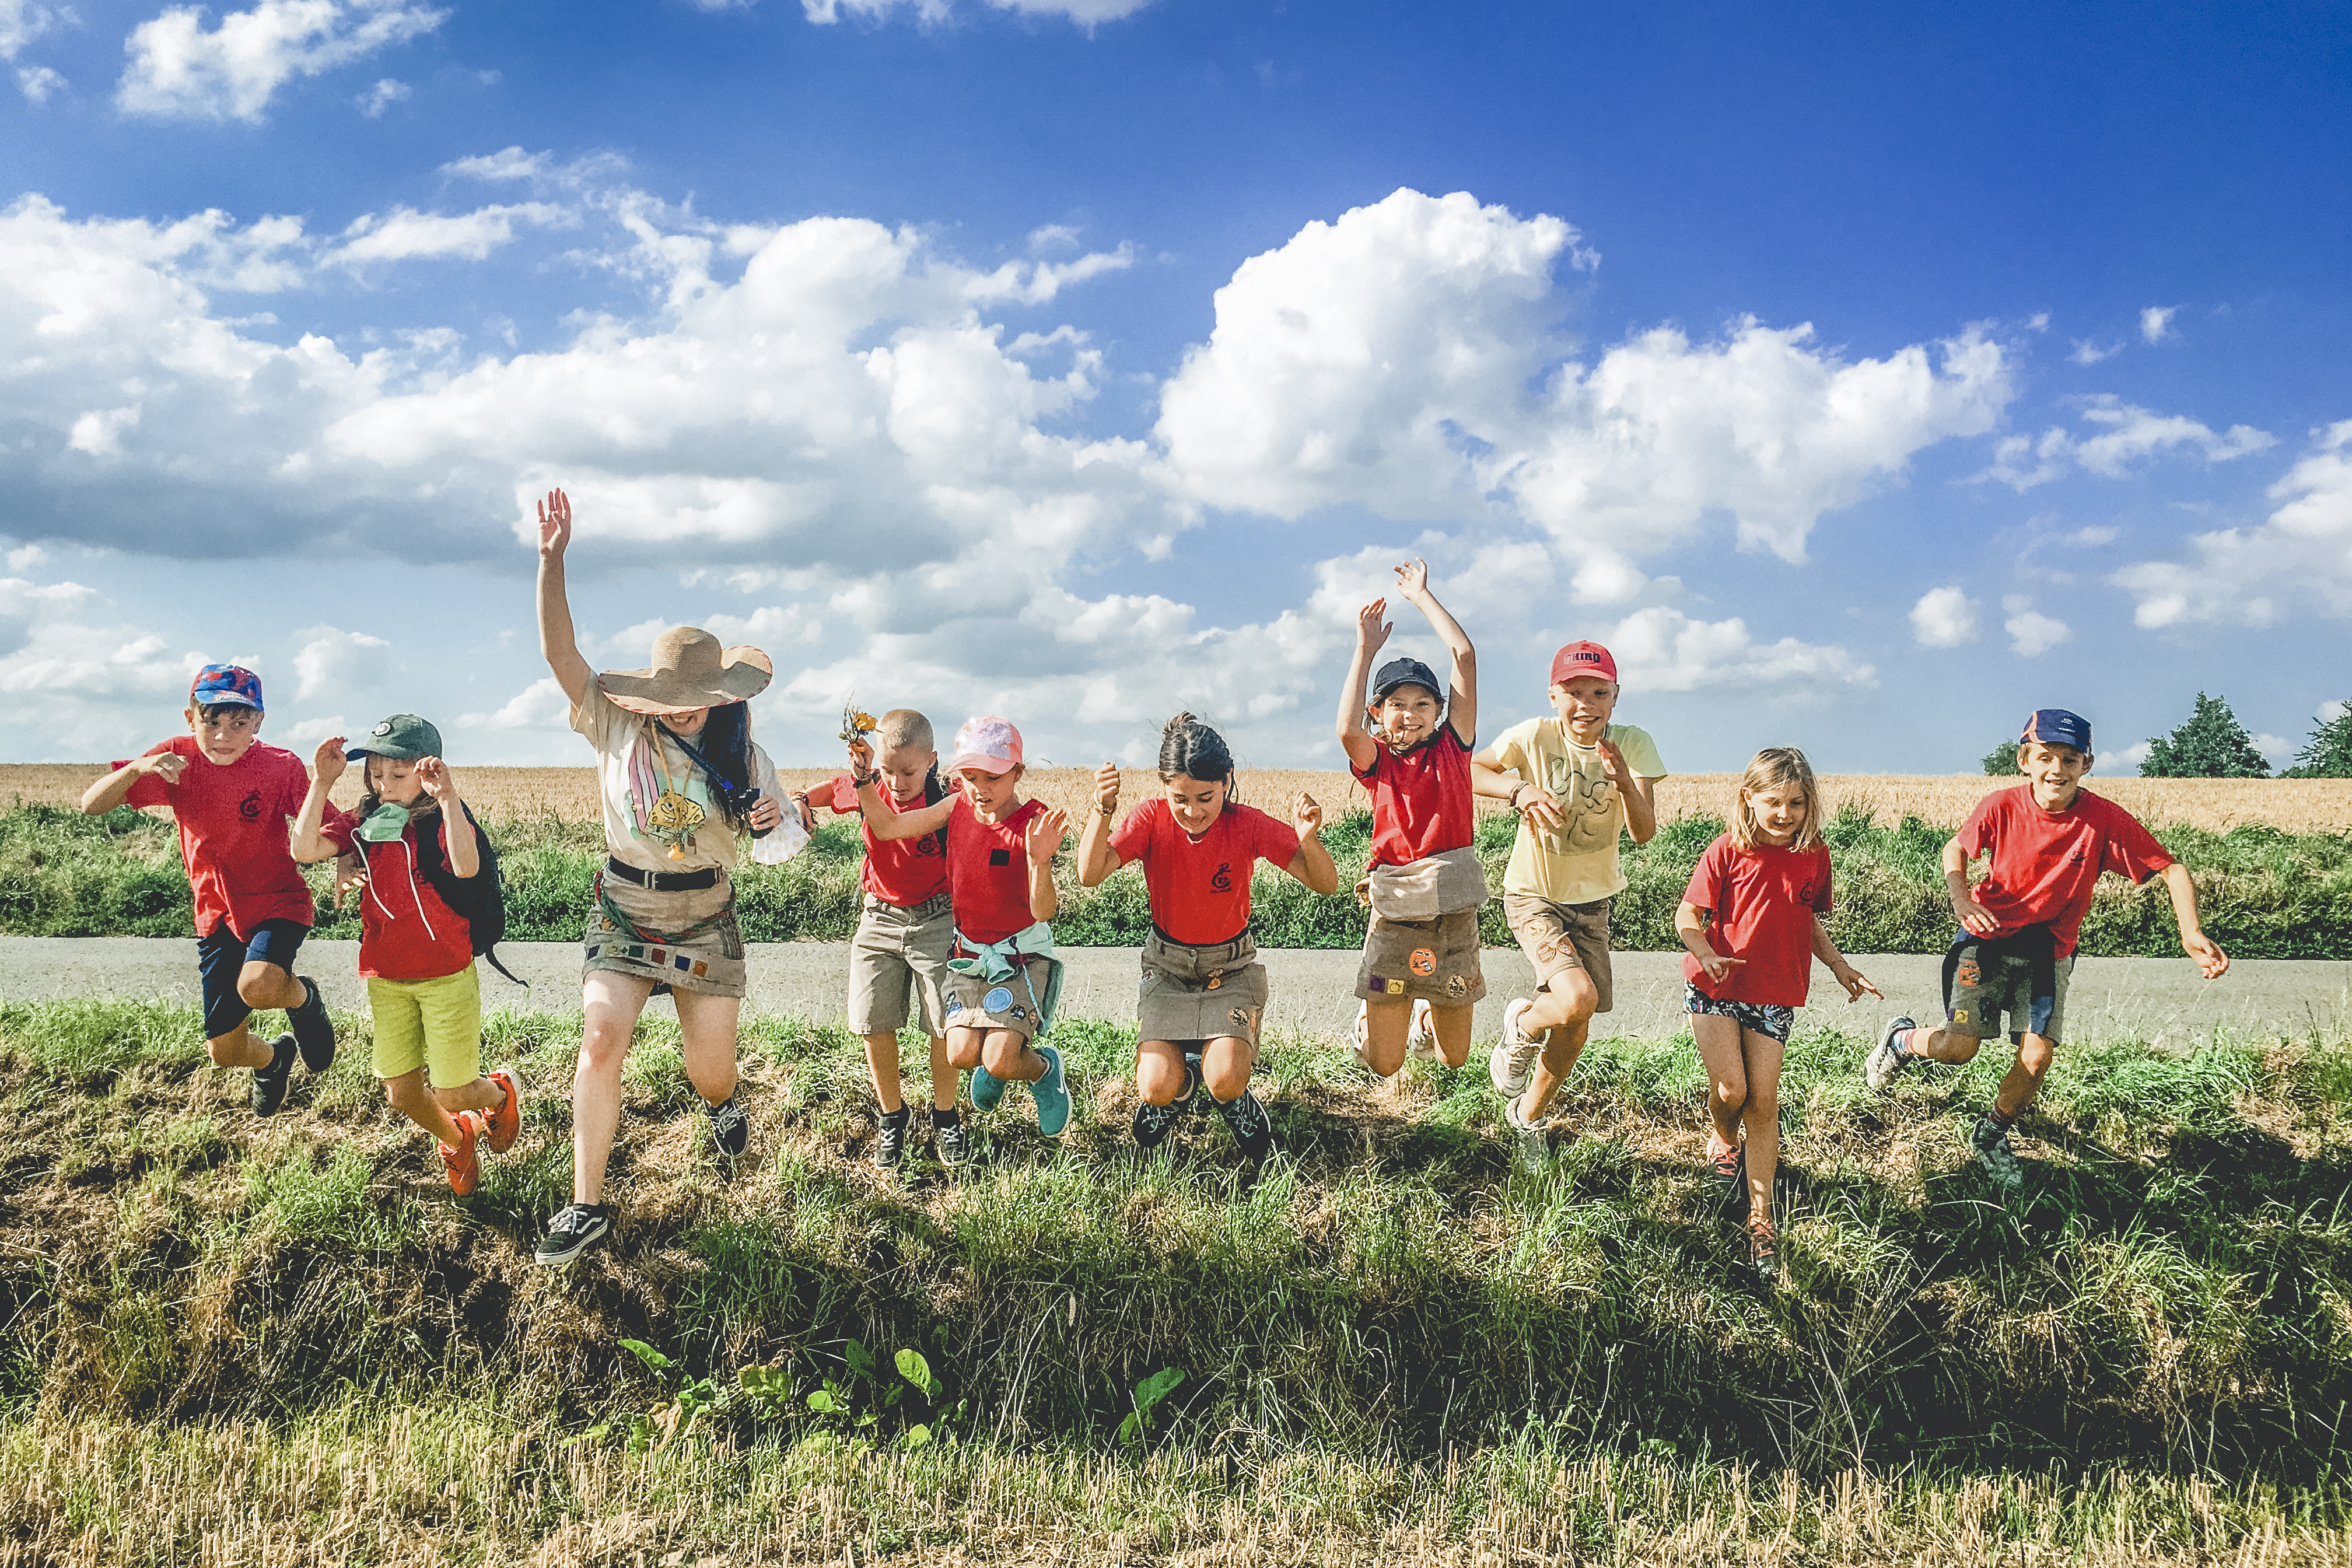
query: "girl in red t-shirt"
1203, 997
1752, 920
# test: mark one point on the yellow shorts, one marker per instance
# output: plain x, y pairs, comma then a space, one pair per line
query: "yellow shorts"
430, 1024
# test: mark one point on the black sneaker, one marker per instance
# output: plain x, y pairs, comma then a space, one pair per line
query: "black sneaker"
730, 1127
1192, 1077
572, 1231
1990, 1140
1152, 1122
890, 1142
950, 1141
313, 1030
1731, 1183
1252, 1128
269, 1083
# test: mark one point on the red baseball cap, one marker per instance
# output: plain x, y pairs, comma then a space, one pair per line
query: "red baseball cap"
1582, 658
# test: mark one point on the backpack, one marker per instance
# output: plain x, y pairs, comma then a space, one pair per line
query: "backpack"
935, 792
479, 900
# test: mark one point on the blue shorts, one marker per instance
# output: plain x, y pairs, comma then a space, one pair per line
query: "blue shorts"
222, 956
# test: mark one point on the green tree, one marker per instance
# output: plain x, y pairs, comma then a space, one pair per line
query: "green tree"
2328, 753
2211, 745
2000, 762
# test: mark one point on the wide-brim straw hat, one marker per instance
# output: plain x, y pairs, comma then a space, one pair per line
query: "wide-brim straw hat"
689, 670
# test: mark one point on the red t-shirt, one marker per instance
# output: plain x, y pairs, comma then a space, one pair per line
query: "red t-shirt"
1200, 886
1763, 900
1422, 803
233, 832
406, 930
2045, 863
988, 871
902, 871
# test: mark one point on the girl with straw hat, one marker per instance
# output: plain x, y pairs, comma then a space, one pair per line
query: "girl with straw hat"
679, 778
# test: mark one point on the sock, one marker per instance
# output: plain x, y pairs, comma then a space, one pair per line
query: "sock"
943, 1117
1907, 1041
897, 1120
2003, 1122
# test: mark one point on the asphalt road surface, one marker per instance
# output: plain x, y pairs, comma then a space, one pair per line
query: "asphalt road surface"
2156, 999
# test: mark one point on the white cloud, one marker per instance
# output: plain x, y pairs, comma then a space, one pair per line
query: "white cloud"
303, 736
1945, 617
2031, 633
1085, 13
2125, 434
403, 235
2330, 710
541, 705
2243, 575
21, 22
180, 71
382, 95
2127, 760
2092, 537
1386, 360
2088, 352
98, 432
330, 659
2155, 323
1663, 649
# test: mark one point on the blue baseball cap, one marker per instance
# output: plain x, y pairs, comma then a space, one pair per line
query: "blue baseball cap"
226, 684
2056, 727
1399, 672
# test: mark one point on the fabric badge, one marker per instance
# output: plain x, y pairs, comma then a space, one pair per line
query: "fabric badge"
1393, 987
1241, 1016
1959, 1016
1456, 985
996, 1001
1424, 963
1968, 973
1019, 1014
1215, 980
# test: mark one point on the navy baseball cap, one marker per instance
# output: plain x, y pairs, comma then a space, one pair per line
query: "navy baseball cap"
2056, 727
1399, 672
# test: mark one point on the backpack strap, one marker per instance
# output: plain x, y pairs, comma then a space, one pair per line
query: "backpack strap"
935, 792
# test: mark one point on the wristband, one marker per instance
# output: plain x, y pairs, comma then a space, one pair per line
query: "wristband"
860, 781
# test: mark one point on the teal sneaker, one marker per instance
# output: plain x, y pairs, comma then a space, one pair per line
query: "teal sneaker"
987, 1089
1993, 1153
1053, 1094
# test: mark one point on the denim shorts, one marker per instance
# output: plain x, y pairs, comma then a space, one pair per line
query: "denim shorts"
1764, 1017
222, 956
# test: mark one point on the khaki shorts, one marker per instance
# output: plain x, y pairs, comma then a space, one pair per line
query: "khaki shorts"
1008, 1003
1210, 993
900, 950
1557, 938
436, 1024
1984, 988
1435, 961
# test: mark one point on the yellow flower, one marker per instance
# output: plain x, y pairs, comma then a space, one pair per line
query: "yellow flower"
855, 723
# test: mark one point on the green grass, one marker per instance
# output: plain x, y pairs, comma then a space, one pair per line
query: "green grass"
2263, 893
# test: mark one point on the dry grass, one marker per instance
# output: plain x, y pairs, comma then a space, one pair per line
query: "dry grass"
2295, 805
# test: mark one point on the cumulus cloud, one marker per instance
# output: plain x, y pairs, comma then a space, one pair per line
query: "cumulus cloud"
403, 235
1663, 649
21, 22
2301, 553
2032, 634
2124, 435
541, 705
2087, 353
2155, 323
179, 70
330, 659
1945, 617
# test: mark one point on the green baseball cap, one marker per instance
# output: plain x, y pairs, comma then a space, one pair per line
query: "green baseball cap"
404, 737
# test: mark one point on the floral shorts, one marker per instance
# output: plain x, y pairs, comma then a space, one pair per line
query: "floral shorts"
1765, 1018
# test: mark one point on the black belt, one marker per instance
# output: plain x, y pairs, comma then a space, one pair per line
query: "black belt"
664, 881
1239, 937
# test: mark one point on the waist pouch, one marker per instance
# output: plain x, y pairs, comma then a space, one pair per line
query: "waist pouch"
1205, 966
1443, 884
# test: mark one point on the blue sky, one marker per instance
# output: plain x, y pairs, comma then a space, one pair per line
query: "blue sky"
1866, 377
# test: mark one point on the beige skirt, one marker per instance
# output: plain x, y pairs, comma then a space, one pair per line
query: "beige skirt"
688, 941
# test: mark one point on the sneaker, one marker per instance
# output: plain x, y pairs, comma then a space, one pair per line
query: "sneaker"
572, 1231
987, 1089
1153, 1123
1993, 1153
890, 1142
730, 1127
1052, 1093
463, 1163
950, 1141
1252, 1128
1515, 1058
504, 1123
1360, 1050
1530, 1143
1763, 1258
269, 1090
1886, 1059
1730, 1166
313, 1030
1421, 1036
1192, 1077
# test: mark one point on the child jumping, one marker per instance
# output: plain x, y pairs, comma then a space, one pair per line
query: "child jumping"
232, 796
903, 932
421, 850
1004, 980
1751, 919
1203, 993
1411, 748
1580, 781
2049, 839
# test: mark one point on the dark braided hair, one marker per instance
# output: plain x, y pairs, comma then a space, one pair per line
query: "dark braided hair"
1191, 748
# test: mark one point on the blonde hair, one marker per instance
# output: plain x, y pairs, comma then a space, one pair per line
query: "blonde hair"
1775, 766
903, 729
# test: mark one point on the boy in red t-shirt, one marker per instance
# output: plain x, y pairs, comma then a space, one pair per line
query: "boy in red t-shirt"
232, 797
2049, 838
1411, 748
904, 932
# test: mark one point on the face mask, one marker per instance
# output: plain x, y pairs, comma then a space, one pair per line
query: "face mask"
385, 823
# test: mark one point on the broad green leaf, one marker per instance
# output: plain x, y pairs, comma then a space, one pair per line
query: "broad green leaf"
917, 1371
918, 1437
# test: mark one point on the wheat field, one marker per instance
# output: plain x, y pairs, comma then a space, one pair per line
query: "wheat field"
2294, 805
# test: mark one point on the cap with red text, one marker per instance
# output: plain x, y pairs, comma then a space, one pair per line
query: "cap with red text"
1579, 660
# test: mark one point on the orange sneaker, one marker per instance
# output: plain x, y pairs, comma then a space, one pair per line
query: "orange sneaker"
465, 1162
504, 1124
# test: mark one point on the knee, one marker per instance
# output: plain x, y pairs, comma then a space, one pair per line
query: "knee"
2035, 1054
601, 1050
963, 1049
1001, 1054
258, 989
1960, 1047
1732, 1095
404, 1094
1574, 996
1764, 1099
1228, 1078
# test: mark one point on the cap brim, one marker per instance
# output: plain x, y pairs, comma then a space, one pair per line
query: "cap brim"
994, 766
222, 700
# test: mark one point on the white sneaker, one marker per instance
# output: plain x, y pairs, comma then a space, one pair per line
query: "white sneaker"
1512, 1060
1420, 1041
1530, 1141
1886, 1059
1363, 1037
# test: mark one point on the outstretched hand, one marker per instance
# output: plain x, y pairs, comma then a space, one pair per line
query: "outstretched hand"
1413, 579
1044, 836
2211, 961
327, 762
554, 524
434, 775
1856, 983
1307, 815
1371, 628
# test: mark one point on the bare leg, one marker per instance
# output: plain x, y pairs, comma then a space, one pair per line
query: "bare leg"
239, 1048
266, 986
706, 1026
1006, 1055
1565, 1011
944, 1087
479, 1095
407, 1095
1762, 1118
612, 1002
1387, 1020
2023, 1080
963, 1049
882, 1066
1225, 1064
1727, 1072
1453, 1034
1160, 1071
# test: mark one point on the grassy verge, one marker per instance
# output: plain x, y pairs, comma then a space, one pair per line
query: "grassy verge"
2264, 893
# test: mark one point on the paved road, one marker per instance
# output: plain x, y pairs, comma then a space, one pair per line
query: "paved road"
2145, 998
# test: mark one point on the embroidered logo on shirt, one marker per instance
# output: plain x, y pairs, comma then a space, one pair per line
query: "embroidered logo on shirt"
1224, 879
249, 808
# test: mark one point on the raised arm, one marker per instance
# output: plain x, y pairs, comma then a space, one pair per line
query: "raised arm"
1639, 793
880, 820
1462, 701
1498, 778
1312, 864
464, 854
1372, 631
115, 787
327, 765
556, 639
1096, 859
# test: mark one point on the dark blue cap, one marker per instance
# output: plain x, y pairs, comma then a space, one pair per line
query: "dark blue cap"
2056, 727
1399, 672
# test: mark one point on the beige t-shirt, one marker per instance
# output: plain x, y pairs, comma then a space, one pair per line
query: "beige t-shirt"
627, 767
1576, 863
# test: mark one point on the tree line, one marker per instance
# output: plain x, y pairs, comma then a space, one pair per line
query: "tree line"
2212, 744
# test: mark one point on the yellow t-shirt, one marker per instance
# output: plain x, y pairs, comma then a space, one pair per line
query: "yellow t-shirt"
1576, 863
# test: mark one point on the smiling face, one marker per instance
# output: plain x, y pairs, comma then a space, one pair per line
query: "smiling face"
1778, 810
225, 732
904, 768
395, 780
2056, 773
1407, 716
1584, 705
994, 795
1194, 802
685, 726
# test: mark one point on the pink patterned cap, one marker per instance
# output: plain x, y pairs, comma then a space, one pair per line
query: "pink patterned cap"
989, 743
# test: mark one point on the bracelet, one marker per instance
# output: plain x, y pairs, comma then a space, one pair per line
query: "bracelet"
1109, 810
860, 781
1515, 796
